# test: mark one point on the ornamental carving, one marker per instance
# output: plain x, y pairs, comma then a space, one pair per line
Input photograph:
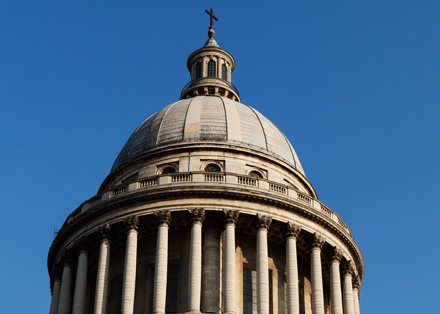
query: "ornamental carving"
131, 223
197, 215
348, 269
318, 241
356, 282
163, 217
231, 216
82, 244
262, 222
104, 232
291, 230
66, 257
337, 254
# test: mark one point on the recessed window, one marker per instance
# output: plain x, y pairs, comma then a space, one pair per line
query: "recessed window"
172, 279
255, 174
212, 168
211, 68
168, 170
224, 72
198, 70
249, 291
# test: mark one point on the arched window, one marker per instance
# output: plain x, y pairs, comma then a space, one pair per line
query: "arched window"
255, 174
198, 70
224, 72
168, 170
212, 168
212, 68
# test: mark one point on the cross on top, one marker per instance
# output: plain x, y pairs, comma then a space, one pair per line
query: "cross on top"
211, 14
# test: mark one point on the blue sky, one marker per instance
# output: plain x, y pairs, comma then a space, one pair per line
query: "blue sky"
353, 84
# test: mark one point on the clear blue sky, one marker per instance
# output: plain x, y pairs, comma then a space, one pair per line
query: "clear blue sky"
353, 84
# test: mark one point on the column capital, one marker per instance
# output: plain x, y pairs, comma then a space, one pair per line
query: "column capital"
318, 241
231, 216
356, 282
131, 223
337, 254
82, 244
262, 222
56, 272
291, 230
197, 215
348, 269
104, 232
163, 217
66, 257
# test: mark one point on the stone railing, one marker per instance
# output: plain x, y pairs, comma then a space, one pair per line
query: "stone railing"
213, 178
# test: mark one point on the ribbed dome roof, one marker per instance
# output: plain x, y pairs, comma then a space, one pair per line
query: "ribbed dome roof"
209, 119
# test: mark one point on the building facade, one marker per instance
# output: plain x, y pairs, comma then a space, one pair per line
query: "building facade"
206, 210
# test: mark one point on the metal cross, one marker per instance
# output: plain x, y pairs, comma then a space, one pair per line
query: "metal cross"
211, 14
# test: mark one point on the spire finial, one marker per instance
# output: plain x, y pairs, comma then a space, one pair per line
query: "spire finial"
211, 31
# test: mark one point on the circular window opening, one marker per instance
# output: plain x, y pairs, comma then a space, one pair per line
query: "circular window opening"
255, 174
212, 168
168, 170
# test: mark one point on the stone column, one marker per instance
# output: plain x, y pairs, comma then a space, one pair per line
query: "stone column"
161, 268
348, 289
103, 271
211, 271
66, 285
316, 271
335, 282
129, 282
356, 286
291, 232
79, 296
55, 296
262, 225
195, 260
231, 218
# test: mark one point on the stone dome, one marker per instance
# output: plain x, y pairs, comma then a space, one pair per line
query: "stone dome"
209, 119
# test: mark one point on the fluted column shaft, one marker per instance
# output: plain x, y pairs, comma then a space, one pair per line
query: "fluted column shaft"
231, 218
356, 300
335, 283
79, 296
66, 283
316, 271
161, 267
348, 293
103, 273
129, 282
195, 260
263, 224
292, 232
55, 296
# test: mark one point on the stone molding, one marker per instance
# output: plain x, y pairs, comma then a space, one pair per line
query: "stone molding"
262, 222
318, 241
131, 223
291, 230
197, 215
337, 255
231, 216
163, 217
104, 232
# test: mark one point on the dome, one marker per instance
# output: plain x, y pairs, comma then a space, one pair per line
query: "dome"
209, 119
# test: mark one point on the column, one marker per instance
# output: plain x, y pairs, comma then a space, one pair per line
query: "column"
262, 225
211, 271
129, 282
348, 289
231, 218
356, 286
291, 232
55, 296
163, 218
79, 296
335, 282
101, 292
195, 260
316, 271
66, 283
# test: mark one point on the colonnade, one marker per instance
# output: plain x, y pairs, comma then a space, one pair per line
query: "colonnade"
344, 294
